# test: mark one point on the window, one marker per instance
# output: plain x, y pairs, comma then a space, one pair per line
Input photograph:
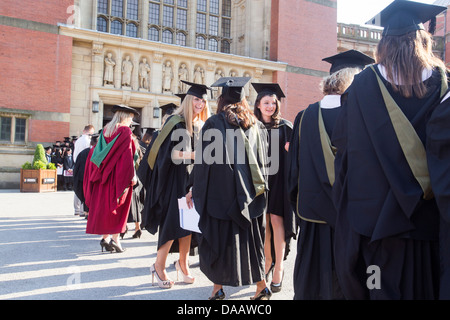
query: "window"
132, 30
201, 23
168, 17
167, 36
116, 27
214, 25
132, 9
213, 45
181, 39
181, 19
13, 129
200, 43
153, 34
102, 24
118, 17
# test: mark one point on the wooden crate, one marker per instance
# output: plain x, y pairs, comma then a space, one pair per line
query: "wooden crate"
38, 180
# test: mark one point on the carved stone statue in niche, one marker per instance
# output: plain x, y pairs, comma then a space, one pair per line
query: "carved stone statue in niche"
182, 75
144, 69
218, 91
127, 68
199, 75
167, 77
108, 77
247, 86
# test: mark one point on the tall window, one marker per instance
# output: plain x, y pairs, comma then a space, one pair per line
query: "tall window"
213, 25
169, 21
118, 17
168, 18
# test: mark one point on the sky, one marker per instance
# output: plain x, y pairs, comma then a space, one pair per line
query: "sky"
360, 11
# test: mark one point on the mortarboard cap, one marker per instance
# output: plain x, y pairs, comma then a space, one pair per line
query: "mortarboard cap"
197, 90
232, 88
403, 16
270, 88
348, 59
181, 96
124, 108
169, 108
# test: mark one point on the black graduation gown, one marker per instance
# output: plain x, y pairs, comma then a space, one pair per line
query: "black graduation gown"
278, 198
310, 192
438, 152
164, 185
383, 219
232, 217
78, 173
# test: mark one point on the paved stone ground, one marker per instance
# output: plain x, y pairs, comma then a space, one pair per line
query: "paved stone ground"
45, 254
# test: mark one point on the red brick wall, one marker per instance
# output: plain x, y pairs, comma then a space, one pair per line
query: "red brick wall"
302, 34
35, 66
44, 11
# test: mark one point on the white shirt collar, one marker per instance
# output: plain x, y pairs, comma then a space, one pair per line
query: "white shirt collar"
331, 101
426, 73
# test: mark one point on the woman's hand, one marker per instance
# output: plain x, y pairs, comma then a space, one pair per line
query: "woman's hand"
189, 201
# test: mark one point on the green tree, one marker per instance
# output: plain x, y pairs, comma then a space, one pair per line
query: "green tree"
39, 154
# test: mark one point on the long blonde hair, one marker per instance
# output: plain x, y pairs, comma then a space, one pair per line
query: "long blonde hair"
118, 118
185, 111
405, 57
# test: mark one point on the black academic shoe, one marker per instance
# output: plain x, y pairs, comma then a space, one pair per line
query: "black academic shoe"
219, 295
265, 294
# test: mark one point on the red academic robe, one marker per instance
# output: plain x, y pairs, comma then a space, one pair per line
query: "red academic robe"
107, 186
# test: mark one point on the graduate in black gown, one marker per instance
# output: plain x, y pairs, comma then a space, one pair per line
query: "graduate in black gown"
280, 220
311, 178
438, 152
229, 193
164, 174
387, 227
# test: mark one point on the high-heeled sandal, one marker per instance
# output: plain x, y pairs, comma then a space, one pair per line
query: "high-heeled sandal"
105, 245
264, 294
163, 284
219, 295
116, 246
276, 287
186, 278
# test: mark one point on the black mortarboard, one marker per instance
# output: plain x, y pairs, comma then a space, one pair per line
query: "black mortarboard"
66, 139
232, 88
269, 88
402, 16
181, 96
168, 108
348, 59
197, 90
124, 108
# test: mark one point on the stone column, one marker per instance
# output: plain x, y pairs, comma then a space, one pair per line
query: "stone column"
156, 72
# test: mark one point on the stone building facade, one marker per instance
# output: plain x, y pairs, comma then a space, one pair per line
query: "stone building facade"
65, 63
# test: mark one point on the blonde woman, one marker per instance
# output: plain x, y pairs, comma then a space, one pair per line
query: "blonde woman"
109, 177
165, 174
